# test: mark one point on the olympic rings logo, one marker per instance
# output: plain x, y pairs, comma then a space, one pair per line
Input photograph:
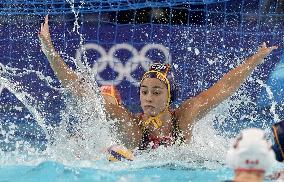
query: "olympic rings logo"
110, 59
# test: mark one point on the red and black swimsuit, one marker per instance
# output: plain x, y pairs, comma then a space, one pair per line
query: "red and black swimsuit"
150, 141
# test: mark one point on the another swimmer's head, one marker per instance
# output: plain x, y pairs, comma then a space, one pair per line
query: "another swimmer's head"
157, 89
250, 155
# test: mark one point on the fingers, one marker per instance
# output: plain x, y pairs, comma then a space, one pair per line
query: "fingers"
44, 31
45, 24
272, 48
46, 20
263, 45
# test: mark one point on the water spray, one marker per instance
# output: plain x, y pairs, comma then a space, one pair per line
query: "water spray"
24, 98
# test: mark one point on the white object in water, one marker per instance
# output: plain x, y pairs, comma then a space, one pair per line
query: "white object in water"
251, 151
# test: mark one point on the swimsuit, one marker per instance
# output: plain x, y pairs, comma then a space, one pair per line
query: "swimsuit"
151, 141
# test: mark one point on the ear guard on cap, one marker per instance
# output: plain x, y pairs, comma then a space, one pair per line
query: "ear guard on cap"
278, 147
110, 90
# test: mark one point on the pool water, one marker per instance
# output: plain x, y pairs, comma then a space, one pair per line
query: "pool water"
201, 160
52, 171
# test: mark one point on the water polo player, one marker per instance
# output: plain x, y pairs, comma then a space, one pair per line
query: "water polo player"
250, 156
158, 124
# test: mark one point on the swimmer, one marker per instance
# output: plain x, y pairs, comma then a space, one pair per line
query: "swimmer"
251, 156
278, 147
158, 124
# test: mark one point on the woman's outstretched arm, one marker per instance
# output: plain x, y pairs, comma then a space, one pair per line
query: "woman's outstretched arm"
126, 121
66, 75
197, 107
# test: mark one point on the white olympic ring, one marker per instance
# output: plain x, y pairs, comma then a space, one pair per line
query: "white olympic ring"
110, 59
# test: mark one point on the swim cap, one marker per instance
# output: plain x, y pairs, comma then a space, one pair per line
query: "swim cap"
163, 73
251, 151
119, 153
278, 147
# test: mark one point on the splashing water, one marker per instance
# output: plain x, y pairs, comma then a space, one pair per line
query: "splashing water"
270, 96
87, 111
92, 132
27, 100
83, 133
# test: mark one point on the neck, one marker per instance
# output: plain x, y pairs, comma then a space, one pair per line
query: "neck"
163, 115
249, 176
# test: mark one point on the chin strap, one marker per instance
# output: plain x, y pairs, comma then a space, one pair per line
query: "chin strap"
155, 120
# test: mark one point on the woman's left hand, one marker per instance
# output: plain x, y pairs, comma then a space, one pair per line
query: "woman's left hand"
264, 51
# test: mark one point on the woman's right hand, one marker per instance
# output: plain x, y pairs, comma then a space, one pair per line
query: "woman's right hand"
44, 36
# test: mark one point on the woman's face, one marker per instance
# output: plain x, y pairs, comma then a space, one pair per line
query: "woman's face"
153, 96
